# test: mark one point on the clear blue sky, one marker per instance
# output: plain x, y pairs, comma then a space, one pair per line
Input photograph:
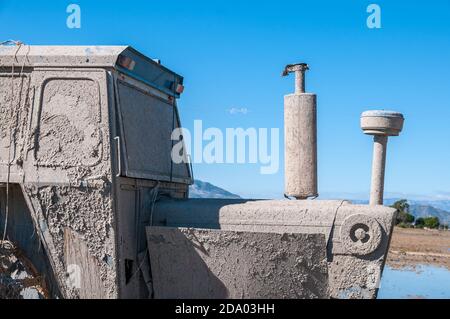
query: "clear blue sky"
231, 54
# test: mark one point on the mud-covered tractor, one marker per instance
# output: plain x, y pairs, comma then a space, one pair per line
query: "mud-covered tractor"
91, 195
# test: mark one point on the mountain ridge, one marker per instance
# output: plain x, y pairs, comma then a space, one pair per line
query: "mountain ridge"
201, 189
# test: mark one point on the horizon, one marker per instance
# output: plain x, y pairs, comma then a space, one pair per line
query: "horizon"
358, 196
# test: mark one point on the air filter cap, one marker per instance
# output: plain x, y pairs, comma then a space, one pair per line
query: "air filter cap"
382, 122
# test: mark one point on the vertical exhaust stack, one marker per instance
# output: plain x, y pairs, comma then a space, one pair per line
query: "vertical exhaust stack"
300, 137
380, 124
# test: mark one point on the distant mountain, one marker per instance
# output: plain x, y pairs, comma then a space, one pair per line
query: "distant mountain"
427, 208
422, 208
427, 211
202, 189
441, 204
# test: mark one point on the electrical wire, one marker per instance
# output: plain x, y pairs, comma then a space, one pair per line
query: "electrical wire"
12, 127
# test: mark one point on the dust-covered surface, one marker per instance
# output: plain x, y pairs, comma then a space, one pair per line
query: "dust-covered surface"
86, 211
410, 247
18, 279
58, 152
199, 263
69, 132
60, 55
14, 106
357, 235
69, 186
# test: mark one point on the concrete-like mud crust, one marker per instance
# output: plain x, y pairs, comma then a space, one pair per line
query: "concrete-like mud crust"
53, 128
86, 212
200, 263
68, 146
357, 236
14, 108
69, 133
354, 278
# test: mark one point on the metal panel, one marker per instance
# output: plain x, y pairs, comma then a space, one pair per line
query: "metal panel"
200, 263
151, 73
66, 134
60, 55
14, 110
83, 268
144, 69
127, 197
147, 123
69, 120
279, 216
181, 172
134, 215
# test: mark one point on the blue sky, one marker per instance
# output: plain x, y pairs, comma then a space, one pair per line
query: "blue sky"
231, 54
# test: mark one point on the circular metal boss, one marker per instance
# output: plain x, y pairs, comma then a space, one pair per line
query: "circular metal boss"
360, 234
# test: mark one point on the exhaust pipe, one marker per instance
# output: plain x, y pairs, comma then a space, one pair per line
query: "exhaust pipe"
300, 137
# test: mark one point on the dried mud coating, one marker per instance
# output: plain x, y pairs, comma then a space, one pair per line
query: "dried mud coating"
69, 120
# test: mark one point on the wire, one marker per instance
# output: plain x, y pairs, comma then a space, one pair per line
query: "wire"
19, 44
11, 42
9, 157
153, 198
173, 125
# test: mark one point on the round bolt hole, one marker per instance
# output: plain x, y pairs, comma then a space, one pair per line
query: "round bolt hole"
360, 232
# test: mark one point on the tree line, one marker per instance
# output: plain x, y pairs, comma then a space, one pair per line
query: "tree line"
406, 220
